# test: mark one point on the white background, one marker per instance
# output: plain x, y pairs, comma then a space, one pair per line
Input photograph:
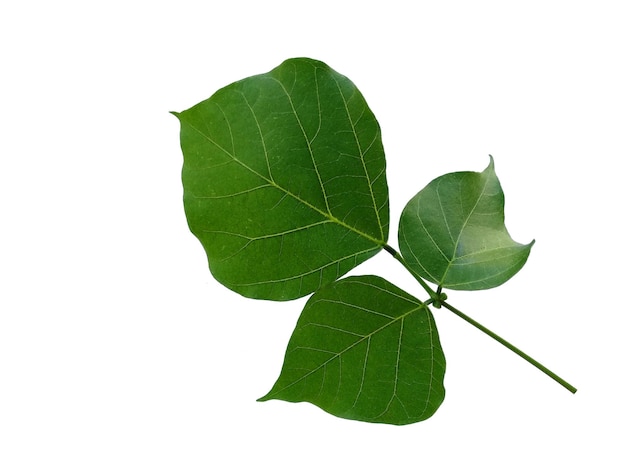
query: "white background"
119, 350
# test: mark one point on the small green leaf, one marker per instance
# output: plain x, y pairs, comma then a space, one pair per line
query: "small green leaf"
284, 180
364, 349
452, 232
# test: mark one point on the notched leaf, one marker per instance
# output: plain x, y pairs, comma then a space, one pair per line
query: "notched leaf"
284, 180
453, 234
364, 349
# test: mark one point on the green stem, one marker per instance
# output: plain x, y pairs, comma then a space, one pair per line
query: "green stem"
417, 277
504, 342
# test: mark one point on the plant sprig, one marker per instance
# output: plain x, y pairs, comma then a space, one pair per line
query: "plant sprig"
285, 187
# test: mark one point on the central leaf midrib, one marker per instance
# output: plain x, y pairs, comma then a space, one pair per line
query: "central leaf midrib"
345, 350
465, 222
273, 183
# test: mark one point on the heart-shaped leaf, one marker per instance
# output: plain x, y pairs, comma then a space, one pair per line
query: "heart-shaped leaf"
364, 349
284, 180
453, 234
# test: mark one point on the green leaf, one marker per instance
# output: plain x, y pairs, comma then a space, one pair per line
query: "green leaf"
284, 180
364, 349
452, 232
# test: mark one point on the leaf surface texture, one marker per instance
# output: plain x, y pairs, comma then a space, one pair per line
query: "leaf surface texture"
284, 180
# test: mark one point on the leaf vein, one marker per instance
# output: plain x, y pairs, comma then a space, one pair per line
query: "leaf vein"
346, 349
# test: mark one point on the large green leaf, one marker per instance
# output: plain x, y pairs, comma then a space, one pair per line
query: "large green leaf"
364, 349
284, 180
452, 232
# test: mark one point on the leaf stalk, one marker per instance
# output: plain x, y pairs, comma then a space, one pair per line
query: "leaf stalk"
511, 347
398, 257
